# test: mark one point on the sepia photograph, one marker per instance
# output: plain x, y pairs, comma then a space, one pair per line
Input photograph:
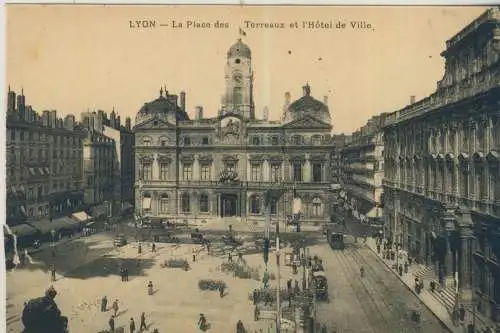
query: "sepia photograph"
252, 169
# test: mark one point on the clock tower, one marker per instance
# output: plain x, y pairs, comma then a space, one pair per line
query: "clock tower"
238, 97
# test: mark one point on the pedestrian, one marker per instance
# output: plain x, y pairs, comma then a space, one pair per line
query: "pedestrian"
139, 248
132, 325
230, 257
289, 285
153, 248
256, 313
255, 296
239, 327
104, 304
323, 329
143, 322
155, 330
115, 308
52, 272
194, 257
221, 291
111, 323
150, 288
126, 274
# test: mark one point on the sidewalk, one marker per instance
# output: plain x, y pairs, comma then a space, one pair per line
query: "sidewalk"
425, 296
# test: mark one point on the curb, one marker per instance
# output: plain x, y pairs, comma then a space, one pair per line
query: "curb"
451, 329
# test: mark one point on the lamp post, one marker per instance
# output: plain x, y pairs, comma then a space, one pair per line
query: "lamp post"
278, 282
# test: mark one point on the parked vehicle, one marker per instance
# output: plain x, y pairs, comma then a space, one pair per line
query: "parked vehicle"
120, 240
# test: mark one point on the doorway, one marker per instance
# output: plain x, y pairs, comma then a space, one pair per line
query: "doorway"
228, 205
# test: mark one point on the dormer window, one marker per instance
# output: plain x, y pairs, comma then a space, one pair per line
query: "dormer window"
316, 140
296, 140
274, 140
187, 141
155, 123
256, 140
204, 140
146, 141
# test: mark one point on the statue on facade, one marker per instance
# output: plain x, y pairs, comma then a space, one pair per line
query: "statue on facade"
231, 128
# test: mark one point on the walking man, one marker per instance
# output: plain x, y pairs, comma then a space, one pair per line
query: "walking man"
153, 248
111, 324
52, 272
132, 325
143, 322
221, 291
104, 304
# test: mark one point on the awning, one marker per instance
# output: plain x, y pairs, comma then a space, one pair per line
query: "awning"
47, 171
68, 202
32, 171
21, 230
81, 216
146, 203
23, 210
13, 189
45, 226
375, 212
99, 211
41, 171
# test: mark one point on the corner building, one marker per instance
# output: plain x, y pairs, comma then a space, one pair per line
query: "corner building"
442, 180
223, 167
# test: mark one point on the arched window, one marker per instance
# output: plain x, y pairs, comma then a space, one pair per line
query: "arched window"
255, 204
317, 207
187, 141
204, 203
146, 141
205, 140
164, 204
256, 140
163, 141
237, 96
185, 203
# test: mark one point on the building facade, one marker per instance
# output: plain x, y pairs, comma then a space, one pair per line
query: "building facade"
442, 180
362, 172
108, 161
225, 166
44, 163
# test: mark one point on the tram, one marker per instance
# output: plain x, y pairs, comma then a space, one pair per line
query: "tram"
336, 240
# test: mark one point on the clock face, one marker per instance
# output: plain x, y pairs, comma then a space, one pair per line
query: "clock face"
238, 78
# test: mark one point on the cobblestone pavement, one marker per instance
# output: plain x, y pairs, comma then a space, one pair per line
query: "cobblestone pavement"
375, 303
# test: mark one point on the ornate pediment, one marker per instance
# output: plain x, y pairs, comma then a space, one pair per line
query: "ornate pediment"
154, 123
307, 122
228, 177
257, 158
230, 158
187, 158
205, 159
275, 159
164, 159
317, 158
146, 159
230, 126
297, 158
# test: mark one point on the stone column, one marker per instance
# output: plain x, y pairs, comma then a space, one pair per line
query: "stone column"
196, 168
266, 172
307, 170
155, 168
448, 221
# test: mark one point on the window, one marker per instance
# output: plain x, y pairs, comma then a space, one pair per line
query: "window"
237, 96
296, 140
317, 209
204, 203
164, 171
274, 141
230, 167
204, 140
146, 201
317, 170
13, 134
187, 141
316, 140
163, 142
164, 204
256, 140
256, 172
187, 171
275, 173
146, 142
274, 206
147, 171
205, 172
185, 203
22, 135
254, 204
297, 171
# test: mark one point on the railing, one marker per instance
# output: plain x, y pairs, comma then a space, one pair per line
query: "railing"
213, 183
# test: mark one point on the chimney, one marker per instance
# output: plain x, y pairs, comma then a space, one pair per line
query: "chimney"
128, 123
325, 100
265, 113
52, 119
306, 89
45, 118
69, 122
412, 99
199, 112
118, 123
21, 107
112, 119
288, 98
183, 101
11, 101
173, 99
91, 122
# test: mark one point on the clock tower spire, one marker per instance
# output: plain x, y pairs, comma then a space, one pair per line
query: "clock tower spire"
239, 81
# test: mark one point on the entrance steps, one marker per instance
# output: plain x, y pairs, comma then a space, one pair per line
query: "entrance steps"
426, 273
447, 296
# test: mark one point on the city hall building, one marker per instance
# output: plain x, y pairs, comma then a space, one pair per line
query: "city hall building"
234, 165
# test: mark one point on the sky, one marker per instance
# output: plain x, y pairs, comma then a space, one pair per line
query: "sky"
76, 58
